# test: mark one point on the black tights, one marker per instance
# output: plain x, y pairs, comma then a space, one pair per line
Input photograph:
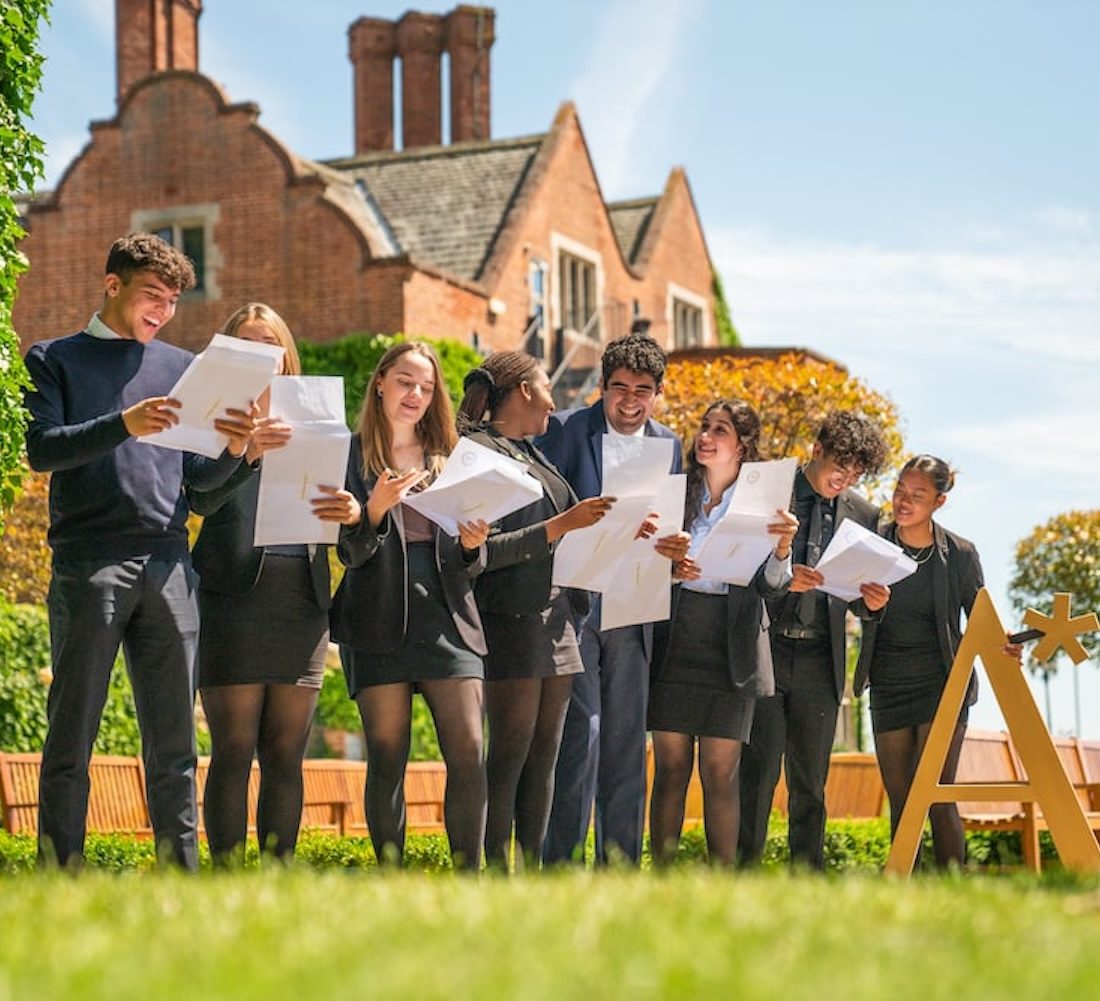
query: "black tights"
719, 761
898, 752
271, 722
456, 707
526, 718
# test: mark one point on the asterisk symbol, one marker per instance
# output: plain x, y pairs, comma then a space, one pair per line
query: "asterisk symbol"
1060, 630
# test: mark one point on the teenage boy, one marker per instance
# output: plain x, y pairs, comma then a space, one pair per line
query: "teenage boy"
121, 570
796, 726
602, 757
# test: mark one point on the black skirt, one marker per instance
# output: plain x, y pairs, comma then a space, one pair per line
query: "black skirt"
906, 690
273, 634
692, 692
432, 649
533, 645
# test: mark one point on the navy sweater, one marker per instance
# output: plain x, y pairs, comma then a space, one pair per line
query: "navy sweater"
111, 496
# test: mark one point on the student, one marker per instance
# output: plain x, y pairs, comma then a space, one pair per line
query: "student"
906, 655
405, 614
121, 570
602, 757
795, 726
717, 660
264, 612
529, 623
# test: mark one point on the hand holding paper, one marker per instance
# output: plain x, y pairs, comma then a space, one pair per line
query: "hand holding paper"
856, 556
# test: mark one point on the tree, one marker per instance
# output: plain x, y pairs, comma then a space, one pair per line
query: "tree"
20, 169
792, 393
1061, 555
24, 554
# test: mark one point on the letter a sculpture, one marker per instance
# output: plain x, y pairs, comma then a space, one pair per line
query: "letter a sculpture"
1047, 784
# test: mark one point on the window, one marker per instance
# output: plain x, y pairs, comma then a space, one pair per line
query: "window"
192, 241
687, 324
190, 229
579, 301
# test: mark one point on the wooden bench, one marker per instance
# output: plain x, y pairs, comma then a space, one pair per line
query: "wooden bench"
988, 757
425, 788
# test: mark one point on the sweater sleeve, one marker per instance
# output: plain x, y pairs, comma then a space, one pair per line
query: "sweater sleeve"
53, 445
201, 473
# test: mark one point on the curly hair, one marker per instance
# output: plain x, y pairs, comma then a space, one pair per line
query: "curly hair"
639, 353
850, 439
746, 422
146, 252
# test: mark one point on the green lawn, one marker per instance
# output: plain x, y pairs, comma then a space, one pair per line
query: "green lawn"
689, 933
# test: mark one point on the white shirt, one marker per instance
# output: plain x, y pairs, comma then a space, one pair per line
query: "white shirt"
97, 328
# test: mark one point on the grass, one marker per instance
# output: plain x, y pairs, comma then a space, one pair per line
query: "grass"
688, 933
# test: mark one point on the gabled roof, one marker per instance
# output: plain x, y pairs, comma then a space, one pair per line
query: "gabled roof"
445, 205
630, 220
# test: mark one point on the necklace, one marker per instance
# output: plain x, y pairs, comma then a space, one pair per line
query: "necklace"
919, 556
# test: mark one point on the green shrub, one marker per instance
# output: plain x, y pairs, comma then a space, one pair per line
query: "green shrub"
355, 357
24, 686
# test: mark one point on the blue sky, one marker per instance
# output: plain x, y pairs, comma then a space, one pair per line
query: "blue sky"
910, 188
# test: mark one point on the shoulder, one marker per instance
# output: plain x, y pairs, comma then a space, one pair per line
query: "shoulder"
659, 430
861, 508
956, 543
168, 354
578, 419
56, 347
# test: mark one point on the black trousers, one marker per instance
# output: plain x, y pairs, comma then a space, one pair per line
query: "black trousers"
149, 608
796, 725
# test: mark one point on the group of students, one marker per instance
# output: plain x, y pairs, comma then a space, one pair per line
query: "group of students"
750, 676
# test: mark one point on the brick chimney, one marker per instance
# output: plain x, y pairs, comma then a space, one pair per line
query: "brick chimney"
154, 35
371, 42
420, 46
469, 38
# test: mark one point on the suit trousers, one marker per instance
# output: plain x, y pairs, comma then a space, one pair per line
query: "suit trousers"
602, 757
797, 726
148, 607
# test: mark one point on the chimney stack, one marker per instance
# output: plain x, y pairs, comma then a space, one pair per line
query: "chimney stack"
371, 47
420, 46
152, 36
469, 38
466, 35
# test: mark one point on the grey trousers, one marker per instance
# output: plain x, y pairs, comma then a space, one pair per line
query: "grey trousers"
796, 726
602, 757
148, 607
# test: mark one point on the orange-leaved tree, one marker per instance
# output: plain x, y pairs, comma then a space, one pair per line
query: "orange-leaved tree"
792, 393
24, 555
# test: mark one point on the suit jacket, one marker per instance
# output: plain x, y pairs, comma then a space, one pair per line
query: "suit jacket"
748, 649
848, 505
519, 562
956, 580
371, 607
574, 444
224, 556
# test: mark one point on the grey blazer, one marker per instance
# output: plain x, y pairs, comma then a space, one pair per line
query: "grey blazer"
370, 609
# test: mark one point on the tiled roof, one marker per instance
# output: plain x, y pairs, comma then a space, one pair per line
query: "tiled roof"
446, 204
631, 220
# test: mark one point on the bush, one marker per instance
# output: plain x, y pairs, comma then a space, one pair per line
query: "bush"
356, 356
24, 553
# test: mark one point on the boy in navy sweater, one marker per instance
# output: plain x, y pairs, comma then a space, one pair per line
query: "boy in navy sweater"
121, 570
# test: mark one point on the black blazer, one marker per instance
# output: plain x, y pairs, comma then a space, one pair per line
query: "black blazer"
848, 505
370, 609
519, 561
748, 650
224, 556
956, 580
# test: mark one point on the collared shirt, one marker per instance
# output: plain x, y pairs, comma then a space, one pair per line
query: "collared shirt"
97, 328
775, 570
640, 433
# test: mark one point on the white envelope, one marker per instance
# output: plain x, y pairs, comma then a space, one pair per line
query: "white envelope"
316, 455
477, 482
230, 373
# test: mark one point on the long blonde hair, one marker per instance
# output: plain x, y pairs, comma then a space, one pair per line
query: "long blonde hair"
258, 312
435, 430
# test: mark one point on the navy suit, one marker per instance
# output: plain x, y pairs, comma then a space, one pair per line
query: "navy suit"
602, 758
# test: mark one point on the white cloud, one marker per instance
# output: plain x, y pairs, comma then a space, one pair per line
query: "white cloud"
1063, 219
637, 45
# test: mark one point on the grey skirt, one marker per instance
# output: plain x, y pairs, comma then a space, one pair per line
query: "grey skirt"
273, 634
532, 645
692, 691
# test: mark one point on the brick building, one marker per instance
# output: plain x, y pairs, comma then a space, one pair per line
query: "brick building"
499, 242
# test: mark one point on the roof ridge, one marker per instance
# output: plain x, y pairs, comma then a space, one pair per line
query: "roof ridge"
432, 152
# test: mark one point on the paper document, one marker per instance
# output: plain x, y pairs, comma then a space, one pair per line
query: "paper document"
633, 466
740, 543
858, 556
589, 557
477, 482
230, 374
641, 588
316, 455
